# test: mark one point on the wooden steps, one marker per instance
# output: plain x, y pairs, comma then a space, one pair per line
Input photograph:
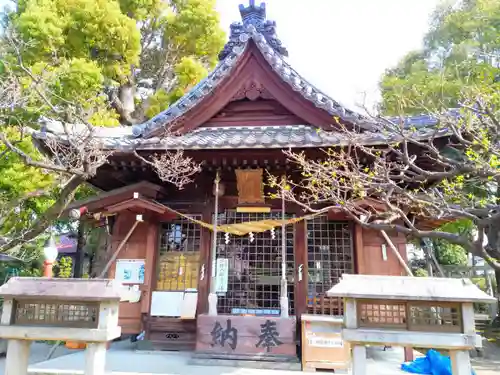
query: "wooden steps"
169, 334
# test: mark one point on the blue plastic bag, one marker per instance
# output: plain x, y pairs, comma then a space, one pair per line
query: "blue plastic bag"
433, 363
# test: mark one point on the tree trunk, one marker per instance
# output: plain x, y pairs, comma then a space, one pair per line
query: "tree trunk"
101, 252
80, 251
127, 98
52, 213
496, 319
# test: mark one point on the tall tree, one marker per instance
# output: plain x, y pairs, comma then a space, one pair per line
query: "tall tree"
100, 62
124, 60
416, 179
462, 48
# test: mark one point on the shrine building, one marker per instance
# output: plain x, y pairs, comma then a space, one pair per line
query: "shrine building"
236, 123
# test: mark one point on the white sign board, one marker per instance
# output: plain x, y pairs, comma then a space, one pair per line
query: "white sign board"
222, 275
188, 309
130, 271
167, 304
325, 342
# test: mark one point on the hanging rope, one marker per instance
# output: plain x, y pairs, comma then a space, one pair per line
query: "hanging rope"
242, 229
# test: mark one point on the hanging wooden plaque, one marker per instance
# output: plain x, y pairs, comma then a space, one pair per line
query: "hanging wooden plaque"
250, 186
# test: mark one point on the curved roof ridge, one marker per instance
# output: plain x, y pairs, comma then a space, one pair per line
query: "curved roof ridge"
224, 68
304, 87
191, 98
248, 137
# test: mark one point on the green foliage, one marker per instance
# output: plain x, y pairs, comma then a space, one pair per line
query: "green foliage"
82, 49
420, 272
460, 51
457, 68
193, 27
189, 72
481, 283
64, 268
85, 29
18, 180
31, 272
81, 55
33, 268
449, 254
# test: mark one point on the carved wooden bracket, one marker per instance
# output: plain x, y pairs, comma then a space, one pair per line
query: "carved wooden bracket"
252, 90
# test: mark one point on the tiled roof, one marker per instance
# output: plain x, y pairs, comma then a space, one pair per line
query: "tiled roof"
262, 32
251, 137
224, 69
254, 15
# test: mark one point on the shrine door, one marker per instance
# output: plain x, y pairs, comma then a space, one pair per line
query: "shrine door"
329, 255
249, 281
179, 257
177, 277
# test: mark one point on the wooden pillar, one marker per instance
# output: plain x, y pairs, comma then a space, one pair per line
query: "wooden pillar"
114, 240
408, 352
300, 250
205, 261
150, 265
80, 251
360, 267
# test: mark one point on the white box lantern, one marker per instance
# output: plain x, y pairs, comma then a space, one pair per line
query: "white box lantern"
434, 313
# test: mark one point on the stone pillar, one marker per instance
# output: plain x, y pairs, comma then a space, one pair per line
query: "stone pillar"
359, 360
95, 358
460, 362
18, 353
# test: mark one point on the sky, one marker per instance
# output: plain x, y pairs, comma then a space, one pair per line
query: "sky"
344, 46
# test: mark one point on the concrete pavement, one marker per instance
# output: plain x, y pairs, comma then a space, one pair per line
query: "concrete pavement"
39, 352
122, 359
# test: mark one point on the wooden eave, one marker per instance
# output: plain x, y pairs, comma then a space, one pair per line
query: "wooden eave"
137, 205
105, 199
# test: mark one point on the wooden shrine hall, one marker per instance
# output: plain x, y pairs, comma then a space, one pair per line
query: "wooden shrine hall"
218, 266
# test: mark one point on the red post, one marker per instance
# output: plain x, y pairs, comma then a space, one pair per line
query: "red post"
47, 268
408, 354
50, 255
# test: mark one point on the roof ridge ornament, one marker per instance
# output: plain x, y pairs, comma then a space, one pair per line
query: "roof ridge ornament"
252, 13
256, 17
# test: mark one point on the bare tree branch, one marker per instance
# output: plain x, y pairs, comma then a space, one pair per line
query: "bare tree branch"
453, 173
71, 150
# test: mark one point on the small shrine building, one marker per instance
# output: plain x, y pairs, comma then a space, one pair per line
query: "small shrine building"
236, 122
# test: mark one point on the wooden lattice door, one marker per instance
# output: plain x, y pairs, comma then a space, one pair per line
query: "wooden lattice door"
254, 267
329, 255
179, 258
178, 269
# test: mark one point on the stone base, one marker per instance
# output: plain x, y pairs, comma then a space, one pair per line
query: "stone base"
277, 362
